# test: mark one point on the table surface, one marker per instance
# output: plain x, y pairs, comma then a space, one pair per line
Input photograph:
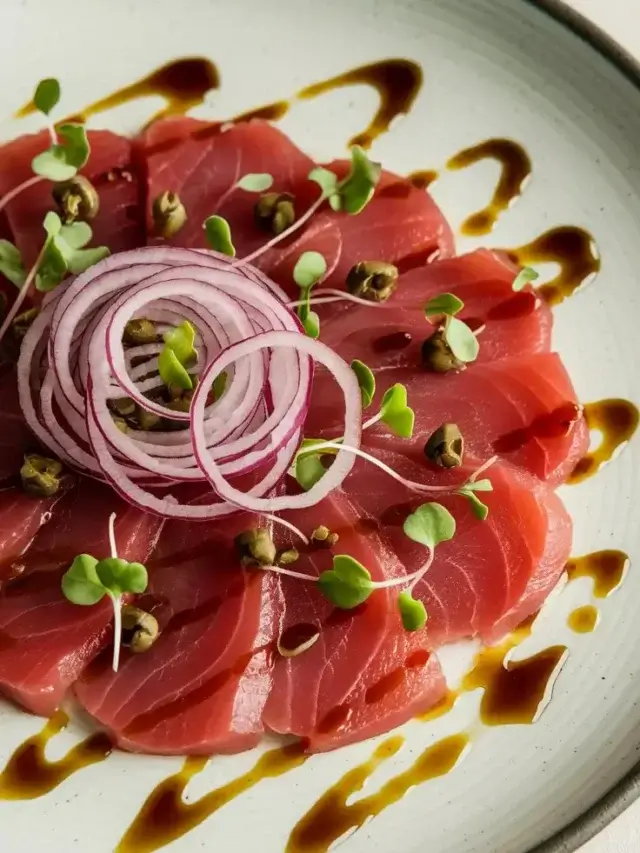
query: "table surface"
621, 19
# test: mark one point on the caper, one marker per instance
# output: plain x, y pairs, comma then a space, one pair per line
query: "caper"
76, 199
120, 423
321, 534
446, 446
22, 322
275, 212
123, 406
169, 214
147, 420
140, 629
139, 332
288, 557
256, 547
40, 475
437, 355
372, 280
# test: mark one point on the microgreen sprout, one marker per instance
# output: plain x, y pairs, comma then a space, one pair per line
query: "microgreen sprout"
309, 269
63, 159
45, 99
461, 341
394, 412
526, 275
349, 584
351, 194
307, 473
88, 580
445, 303
11, 264
177, 354
366, 381
218, 233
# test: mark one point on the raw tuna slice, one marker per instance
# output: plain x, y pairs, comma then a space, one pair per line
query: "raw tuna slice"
400, 225
392, 334
118, 225
22, 517
546, 576
45, 641
309, 687
15, 436
480, 574
202, 686
201, 164
524, 410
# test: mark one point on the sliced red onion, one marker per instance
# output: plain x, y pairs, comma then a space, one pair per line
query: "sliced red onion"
73, 365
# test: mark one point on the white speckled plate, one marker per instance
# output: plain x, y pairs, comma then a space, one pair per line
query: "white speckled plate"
492, 68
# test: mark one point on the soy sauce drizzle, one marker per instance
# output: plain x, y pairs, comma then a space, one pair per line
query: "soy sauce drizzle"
29, 774
422, 179
165, 816
584, 619
516, 169
331, 816
183, 84
616, 420
515, 692
606, 568
573, 248
397, 82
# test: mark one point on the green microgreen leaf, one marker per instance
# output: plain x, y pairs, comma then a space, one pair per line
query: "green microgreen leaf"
181, 340
64, 252
366, 381
47, 95
395, 412
461, 340
255, 182
309, 269
219, 385
357, 189
348, 584
218, 235
81, 584
328, 183
430, 524
479, 509
523, 278
171, 371
309, 470
412, 612
76, 235
119, 576
11, 264
480, 486
445, 303
63, 159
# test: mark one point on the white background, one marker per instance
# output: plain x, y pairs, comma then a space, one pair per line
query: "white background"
621, 19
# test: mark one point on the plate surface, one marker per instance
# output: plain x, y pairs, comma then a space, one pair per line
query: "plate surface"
492, 68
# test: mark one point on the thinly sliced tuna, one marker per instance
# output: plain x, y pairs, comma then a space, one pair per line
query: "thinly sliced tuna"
400, 225
309, 687
548, 573
202, 686
45, 641
202, 165
524, 410
391, 334
22, 517
15, 435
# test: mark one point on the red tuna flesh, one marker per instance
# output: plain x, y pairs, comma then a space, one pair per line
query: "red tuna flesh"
45, 641
202, 687
391, 334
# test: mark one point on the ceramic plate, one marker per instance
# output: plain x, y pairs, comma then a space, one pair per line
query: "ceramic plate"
493, 68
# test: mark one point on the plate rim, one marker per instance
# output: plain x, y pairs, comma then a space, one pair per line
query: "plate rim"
626, 791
